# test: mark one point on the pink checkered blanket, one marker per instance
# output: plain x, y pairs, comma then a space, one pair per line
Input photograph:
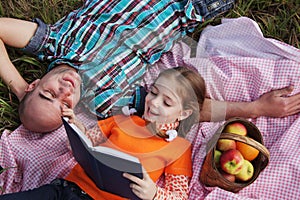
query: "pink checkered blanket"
238, 64
35, 159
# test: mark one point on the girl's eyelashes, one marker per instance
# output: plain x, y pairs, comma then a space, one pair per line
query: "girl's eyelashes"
167, 104
153, 93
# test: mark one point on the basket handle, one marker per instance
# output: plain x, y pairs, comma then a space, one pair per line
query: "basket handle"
251, 142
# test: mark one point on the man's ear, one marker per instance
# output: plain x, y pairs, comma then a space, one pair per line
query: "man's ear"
185, 114
32, 85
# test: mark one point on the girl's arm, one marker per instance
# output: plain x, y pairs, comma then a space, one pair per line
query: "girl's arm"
176, 187
94, 134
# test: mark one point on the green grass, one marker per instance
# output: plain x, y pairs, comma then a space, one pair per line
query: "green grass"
279, 19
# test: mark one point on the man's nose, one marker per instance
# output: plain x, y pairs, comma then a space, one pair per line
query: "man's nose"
65, 91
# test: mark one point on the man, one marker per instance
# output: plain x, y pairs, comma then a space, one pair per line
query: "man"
109, 43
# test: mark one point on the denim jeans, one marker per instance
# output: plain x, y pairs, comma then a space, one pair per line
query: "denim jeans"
58, 189
211, 8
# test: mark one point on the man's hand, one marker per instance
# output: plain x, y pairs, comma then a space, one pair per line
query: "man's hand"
277, 103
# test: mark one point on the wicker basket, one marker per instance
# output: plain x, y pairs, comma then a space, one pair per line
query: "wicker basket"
210, 175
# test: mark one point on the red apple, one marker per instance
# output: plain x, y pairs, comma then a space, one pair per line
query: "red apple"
236, 128
247, 171
226, 144
217, 155
229, 177
231, 161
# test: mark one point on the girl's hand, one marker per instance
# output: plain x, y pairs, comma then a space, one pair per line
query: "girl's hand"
143, 188
68, 112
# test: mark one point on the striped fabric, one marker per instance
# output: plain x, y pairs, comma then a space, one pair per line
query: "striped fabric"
112, 43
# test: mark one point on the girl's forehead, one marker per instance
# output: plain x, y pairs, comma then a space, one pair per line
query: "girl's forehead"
168, 86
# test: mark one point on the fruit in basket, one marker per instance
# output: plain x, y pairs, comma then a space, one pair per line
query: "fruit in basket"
226, 144
229, 177
248, 152
231, 161
247, 171
237, 128
217, 155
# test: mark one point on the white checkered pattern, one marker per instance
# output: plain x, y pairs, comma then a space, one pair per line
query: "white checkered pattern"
37, 158
239, 64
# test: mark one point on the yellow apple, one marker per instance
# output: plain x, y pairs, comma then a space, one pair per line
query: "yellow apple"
226, 144
247, 171
237, 128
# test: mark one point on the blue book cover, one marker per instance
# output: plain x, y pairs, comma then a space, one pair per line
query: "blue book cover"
103, 165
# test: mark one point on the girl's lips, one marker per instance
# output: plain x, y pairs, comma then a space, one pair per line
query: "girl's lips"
150, 113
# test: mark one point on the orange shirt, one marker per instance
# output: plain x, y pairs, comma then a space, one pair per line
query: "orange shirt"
130, 135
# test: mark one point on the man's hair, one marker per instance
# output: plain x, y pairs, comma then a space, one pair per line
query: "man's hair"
22, 104
35, 120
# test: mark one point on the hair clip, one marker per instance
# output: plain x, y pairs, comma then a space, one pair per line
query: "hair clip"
172, 135
126, 111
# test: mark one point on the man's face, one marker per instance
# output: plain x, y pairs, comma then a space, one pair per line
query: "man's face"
57, 89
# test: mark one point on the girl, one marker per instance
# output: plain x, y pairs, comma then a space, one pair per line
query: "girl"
172, 106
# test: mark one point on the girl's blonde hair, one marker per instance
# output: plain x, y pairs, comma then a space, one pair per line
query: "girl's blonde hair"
190, 86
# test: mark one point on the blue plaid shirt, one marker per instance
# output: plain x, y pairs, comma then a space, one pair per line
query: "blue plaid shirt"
112, 42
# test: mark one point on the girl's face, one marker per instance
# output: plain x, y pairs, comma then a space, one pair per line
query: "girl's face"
163, 105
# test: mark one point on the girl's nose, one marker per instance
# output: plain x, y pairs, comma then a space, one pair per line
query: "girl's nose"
155, 102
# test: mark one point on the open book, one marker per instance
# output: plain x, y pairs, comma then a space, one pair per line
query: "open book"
103, 165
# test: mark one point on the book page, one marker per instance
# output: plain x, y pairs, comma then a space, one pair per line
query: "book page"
116, 153
106, 150
82, 136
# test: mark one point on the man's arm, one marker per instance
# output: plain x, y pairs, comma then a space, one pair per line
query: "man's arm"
15, 33
272, 104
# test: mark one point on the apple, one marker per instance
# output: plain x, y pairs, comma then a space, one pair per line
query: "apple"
247, 171
217, 155
229, 177
226, 144
231, 161
236, 128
